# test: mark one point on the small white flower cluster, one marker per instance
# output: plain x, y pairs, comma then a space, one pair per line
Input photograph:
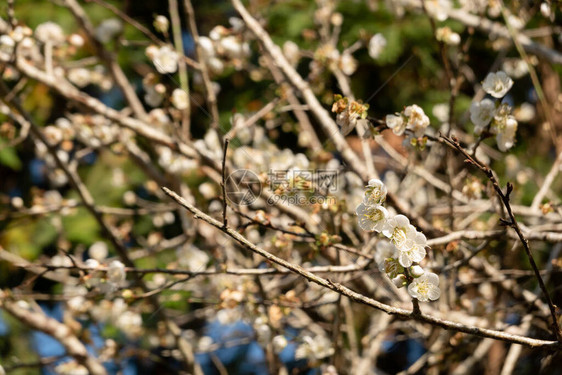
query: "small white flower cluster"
412, 118
493, 114
113, 279
7, 46
515, 67
399, 257
165, 58
119, 314
447, 36
438, 9
191, 258
174, 162
154, 91
92, 130
47, 33
223, 47
327, 55
50, 33
314, 349
83, 77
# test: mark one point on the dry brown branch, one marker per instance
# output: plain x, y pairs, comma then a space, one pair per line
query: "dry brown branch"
41, 322
512, 222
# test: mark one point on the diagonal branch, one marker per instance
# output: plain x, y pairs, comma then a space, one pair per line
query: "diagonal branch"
41, 322
357, 297
512, 222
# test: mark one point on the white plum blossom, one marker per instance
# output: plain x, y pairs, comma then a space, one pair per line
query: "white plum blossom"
515, 68
447, 36
53, 134
180, 99
314, 349
116, 273
98, 250
279, 343
165, 58
506, 134
236, 23
497, 84
79, 76
384, 250
438, 9
153, 95
108, 29
161, 24
20, 32
218, 32
376, 45
291, 52
205, 343
425, 287
417, 119
375, 193
348, 64
229, 315
207, 190
262, 330
515, 22
546, 11
76, 40
396, 123
481, 113
441, 111
192, 258
216, 65
130, 323
525, 113
372, 218
400, 232
207, 47
413, 252
7, 45
50, 32
234, 48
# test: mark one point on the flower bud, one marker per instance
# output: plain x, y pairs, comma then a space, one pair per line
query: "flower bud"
416, 271
279, 343
161, 24
399, 281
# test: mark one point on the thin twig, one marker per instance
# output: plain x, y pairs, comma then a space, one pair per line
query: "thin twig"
223, 183
504, 197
